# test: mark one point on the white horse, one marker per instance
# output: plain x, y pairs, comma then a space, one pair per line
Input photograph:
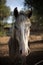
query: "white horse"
22, 31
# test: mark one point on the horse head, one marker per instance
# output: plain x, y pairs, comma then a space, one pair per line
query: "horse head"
22, 27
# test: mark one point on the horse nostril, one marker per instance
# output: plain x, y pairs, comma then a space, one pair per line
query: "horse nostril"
20, 51
28, 51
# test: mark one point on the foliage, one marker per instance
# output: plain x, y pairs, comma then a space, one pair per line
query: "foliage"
2, 2
1, 33
4, 10
37, 4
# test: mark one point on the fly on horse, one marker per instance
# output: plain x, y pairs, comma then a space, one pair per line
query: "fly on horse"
21, 32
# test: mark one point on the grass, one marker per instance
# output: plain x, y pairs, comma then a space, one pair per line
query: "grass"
1, 33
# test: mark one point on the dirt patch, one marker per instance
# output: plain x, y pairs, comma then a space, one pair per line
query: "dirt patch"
36, 37
4, 39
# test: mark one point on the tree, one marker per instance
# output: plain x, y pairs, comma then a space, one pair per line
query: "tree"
2, 2
4, 13
37, 4
4, 10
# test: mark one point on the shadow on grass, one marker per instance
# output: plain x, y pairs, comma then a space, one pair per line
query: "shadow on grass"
34, 57
10, 61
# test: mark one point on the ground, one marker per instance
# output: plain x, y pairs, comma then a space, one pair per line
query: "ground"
36, 43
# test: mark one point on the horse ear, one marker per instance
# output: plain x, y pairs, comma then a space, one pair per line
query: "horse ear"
16, 12
29, 14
